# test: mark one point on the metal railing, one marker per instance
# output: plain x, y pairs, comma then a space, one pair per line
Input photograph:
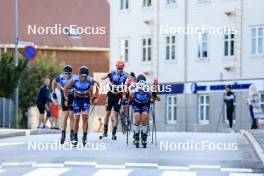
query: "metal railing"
6, 112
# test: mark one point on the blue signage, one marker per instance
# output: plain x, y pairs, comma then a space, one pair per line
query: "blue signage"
29, 53
235, 86
171, 89
195, 88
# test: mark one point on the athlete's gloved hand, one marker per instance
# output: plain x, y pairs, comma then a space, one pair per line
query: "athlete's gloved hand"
54, 95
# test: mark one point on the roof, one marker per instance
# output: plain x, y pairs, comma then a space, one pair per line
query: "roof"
48, 13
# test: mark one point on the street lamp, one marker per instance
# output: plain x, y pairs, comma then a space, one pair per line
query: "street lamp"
16, 57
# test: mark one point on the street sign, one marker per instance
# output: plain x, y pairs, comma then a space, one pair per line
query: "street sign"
29, 53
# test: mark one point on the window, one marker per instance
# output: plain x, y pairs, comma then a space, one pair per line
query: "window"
147, 3
170, 47
203, 109
203, 45
146, 51
124, 4
257, 41
171, 1
229, 43
262, 101
73, 32
124, 49
171, 109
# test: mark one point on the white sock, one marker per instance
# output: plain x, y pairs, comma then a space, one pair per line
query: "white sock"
136, 129
144, 129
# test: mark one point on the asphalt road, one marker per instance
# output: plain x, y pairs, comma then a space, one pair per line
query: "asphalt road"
176, 154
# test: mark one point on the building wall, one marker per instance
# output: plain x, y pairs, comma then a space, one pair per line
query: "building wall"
245, 69
96, 61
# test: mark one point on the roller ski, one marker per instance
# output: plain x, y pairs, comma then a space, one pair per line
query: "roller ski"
114, 137
103, 136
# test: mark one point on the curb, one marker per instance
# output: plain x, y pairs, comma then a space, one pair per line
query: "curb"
28, 133
256, 146
13, 134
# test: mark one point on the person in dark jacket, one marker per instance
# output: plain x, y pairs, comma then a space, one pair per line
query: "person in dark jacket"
229, 101
42, 99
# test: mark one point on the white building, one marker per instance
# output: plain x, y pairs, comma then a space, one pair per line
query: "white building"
147, 33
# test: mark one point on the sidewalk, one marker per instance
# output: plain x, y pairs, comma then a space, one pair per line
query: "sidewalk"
6, 132
256, 139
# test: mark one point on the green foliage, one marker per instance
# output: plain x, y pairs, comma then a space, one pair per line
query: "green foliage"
33, 77
10, 74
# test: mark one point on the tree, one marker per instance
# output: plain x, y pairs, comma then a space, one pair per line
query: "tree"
32, 79
10, 74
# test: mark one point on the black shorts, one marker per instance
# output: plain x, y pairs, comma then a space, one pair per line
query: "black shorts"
113, 101
41, 108
70, 103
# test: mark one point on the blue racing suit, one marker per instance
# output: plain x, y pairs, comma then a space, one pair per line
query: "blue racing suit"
81, 102
141, 101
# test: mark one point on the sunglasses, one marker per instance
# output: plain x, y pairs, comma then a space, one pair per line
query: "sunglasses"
83, 75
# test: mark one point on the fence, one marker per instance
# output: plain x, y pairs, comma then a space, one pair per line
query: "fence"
6, 112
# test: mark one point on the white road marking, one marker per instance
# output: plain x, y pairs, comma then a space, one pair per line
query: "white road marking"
3, 144
205, 166
244, 174
47, 171
141, 164
173, 168
2, 170
18, 164
49, 165
178, 173
236, 170
112, 172
108, 166
77, 163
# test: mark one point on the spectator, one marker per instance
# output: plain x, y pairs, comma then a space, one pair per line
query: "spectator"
48, 115
254, 107
229, 101
42, 99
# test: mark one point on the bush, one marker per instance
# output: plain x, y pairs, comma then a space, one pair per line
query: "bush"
10, 74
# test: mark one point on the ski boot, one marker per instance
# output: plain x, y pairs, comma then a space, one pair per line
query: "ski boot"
72, 136
104, 135
63, 136
75, 141
114, 133
84, 140
144, 140
136, 140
